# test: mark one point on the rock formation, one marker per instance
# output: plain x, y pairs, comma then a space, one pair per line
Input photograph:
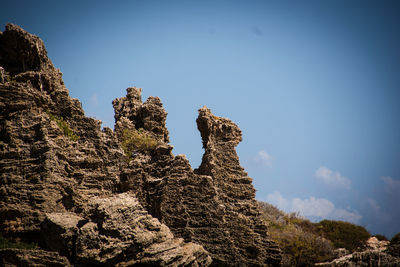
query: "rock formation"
55, 163
376, 253
88, 196
37, 257
213, 206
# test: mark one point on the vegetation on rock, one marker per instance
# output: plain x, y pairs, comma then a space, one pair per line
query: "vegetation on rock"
137, 140
63, 125
305, 243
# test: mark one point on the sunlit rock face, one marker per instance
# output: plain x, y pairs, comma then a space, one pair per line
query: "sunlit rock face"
60, 176
214, 205
90, 196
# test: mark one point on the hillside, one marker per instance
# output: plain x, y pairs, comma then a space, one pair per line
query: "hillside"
327, 243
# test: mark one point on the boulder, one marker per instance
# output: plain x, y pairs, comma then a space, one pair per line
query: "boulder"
121, 232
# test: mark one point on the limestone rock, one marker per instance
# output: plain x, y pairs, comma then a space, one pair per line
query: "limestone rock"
21, 52
377, 253
55, 161
364, 258
68, 185
149, 116
375, 244
31, 257
59, 232
213, 206
120, 231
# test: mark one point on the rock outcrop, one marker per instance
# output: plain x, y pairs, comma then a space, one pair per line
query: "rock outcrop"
28, 257
213, 206
88, 196
365, 258
118, 231
96, 197
376, 253
55, 163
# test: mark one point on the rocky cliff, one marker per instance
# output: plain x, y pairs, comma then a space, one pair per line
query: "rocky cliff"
88, 196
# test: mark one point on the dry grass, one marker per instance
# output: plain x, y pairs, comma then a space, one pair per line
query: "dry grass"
297, 237
137, 140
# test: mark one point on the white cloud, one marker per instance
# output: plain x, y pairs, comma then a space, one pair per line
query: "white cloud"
264, 158
319, 208
330, 177
345, 215
278, 200
391, 184
313, 207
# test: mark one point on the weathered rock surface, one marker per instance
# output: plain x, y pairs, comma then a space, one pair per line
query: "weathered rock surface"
213, 206
368, 258
55, 163
375, 254
31, 257
131, 113
120, 231
69, 186
375, 244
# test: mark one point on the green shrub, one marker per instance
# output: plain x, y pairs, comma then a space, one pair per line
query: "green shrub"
297, 237
344, 234
299, 247
395, 239
137, 140
381, 237
394, 246
5, 243
63, 125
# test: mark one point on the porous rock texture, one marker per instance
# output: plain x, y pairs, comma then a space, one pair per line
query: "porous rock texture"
376, 253
367, 258
27, 257
213, 206
60, 176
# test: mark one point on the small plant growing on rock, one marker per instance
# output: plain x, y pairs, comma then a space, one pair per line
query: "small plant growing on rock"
63, 125
137, 140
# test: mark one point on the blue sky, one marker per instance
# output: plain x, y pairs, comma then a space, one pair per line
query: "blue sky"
314, 86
